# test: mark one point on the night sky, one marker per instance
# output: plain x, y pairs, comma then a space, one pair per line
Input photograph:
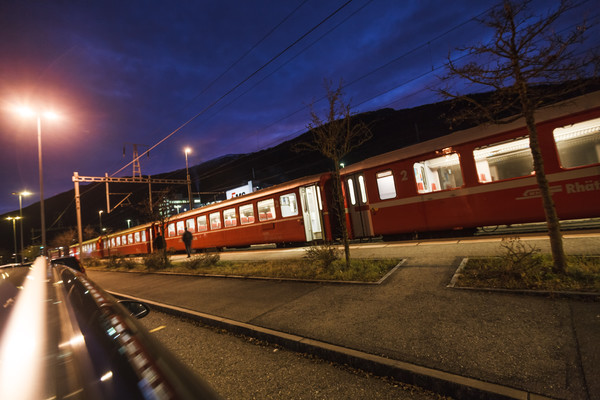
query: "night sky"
225, 76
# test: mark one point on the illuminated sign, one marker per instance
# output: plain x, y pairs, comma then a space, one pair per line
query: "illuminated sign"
239, 191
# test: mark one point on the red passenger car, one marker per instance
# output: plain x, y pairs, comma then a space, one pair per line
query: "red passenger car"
292, 212
481, 176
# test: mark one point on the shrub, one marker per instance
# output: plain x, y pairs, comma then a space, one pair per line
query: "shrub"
323, 255
204, 261
156, 261
522, 259
118, 262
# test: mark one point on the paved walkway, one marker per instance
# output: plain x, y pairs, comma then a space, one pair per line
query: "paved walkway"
539, 345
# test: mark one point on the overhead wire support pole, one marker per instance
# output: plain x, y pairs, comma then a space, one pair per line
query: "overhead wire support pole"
107, 179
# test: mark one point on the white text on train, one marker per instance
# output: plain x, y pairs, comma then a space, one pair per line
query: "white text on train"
588, 186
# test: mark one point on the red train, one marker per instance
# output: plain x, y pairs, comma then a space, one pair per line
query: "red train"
476, 177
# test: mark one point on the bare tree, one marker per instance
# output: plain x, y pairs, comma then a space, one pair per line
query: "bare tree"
336, 136
524, 57
89, 233
64, 240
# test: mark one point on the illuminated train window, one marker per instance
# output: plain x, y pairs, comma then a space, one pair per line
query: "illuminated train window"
385, 185
578, 144
440, 173
215, 220
201, 221
505, 160
171, 230
288, 204
230, 217
361, 187
180, 227
143, 236
246, 214
266, 210
136, 236
189, 223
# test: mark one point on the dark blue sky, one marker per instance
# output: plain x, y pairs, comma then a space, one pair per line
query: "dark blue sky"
246, 72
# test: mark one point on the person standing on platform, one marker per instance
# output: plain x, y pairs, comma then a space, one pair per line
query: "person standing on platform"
187, 240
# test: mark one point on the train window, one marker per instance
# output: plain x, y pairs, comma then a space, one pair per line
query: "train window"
230, 217
136, 236
438, 173
112, 242
118, 240
201, 221
124, 240
189, 223
578, 144
363, 190
246, 214
143, 236
171, 230
385, 185
288, 204
215, 220
319, 199
266, 210
505, 160
130, 238
351, 191
180, 227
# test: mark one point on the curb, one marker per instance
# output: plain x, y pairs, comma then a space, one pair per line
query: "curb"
445, 383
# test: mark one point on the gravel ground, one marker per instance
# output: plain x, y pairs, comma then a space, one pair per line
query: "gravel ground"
245, 368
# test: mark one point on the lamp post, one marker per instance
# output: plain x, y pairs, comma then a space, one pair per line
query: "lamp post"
14, 219
21, 194
100, 217
27, 112
128, 223
189, 182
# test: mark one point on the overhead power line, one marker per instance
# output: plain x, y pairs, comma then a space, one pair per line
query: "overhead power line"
240, 83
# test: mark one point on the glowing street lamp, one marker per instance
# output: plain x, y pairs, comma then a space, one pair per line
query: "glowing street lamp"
14, 219
21, 194
100, 217
189, 182
128, 223
30, 113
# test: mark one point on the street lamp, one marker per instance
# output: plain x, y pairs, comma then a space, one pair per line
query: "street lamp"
21, 194
28, 112
100, 217
128, 223
14, 219
189, 182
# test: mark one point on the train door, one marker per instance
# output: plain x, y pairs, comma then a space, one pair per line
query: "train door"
358, 206
311, 211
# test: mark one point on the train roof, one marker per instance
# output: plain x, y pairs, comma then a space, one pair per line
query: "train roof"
557, 110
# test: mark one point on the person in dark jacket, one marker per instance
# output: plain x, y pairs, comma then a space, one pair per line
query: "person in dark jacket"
187, 240
159, 242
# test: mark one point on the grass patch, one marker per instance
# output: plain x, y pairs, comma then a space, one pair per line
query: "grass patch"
522, 267
364, 270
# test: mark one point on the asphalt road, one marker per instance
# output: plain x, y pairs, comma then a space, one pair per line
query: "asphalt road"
243, 368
